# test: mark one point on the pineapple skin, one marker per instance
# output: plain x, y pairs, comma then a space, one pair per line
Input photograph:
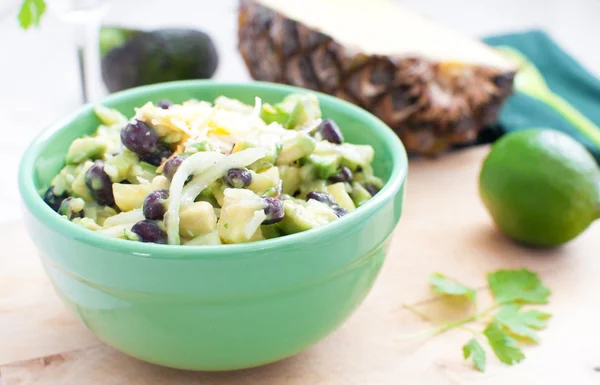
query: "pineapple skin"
430, 105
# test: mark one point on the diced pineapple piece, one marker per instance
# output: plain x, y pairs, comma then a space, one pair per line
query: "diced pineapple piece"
197, 218
160, 182
241, 216
339, 193
211, 238
131, 196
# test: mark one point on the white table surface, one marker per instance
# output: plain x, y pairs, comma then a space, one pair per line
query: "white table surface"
39, 78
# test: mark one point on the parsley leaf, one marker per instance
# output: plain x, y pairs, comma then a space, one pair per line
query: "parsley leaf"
504, 347
31, 13
520, 286
444, 285
522, 323
473, 348
507, 323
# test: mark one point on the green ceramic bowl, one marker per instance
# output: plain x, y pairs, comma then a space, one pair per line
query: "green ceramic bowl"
214, 307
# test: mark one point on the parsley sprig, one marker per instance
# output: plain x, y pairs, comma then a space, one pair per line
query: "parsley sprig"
31, 13
507, 323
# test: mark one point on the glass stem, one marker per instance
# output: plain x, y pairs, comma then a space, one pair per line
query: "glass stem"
87, 34
81, 59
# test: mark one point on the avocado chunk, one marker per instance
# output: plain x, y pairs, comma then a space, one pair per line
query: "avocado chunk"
318, 185
290, 178
325, 165
271, 231
294, 111
135, 58
352, 155
261, 182
301, 108
141, 172
201, 146
218, 189
109, 116
207, 195
355, 155
118, 167
295, 148
339, 193
359, 194
85, 149
264, 163
270, 114
302, 216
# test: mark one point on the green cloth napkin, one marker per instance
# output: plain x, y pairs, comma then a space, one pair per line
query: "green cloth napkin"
564, 75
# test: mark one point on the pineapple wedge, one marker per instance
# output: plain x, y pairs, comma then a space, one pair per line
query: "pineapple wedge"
433, 86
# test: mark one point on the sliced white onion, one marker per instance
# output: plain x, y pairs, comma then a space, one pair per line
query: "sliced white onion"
203, 180
127, 217
257, 107
117, 231
253, 224
194, 164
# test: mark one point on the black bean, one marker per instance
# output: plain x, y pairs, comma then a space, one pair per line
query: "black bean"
171, 166
155, 204
162, 152
237, 178
164, 104
274, 211
149, 231
52, 200
372, 189
139, 138
66, 210
99, 184
339, 211
321, 197
331, 132
344, 175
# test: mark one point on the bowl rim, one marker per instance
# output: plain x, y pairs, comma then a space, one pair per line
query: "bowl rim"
43, 213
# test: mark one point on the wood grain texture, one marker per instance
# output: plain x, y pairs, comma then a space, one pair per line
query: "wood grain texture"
444, 228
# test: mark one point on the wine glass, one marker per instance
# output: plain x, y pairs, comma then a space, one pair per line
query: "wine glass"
85, 17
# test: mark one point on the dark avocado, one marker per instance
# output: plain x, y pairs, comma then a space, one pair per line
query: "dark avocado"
134, 58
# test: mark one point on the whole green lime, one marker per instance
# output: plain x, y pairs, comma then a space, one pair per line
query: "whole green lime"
540, 186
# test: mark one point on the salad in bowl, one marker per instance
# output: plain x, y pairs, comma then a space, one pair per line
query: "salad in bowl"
202, 173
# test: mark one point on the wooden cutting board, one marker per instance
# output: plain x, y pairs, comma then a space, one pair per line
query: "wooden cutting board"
444, 229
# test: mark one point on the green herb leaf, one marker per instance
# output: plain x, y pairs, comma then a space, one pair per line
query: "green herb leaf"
504, 347
444, 285
522, 323
31, 13
473, 348
521, 286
